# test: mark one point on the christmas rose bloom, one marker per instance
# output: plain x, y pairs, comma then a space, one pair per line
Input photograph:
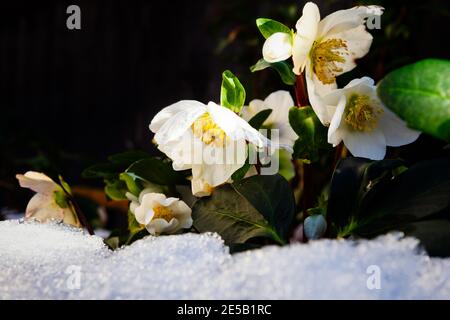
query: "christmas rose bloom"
323, 48
159, 214
363, 123
49, 202
209, 139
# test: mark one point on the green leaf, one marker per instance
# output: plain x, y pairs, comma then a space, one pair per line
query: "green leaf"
113, 242
231, 216
134, 226
156, 171
286, 169
260, 65
283, 68
267, 27
133, 185
434, 235
352, 180
312, 135
420, 94
116, 189
118, 163
272, 197
232, 94
103, 170
65, 185
241, 172
258, 119
416, 194
61, 199
369, 198
125, 159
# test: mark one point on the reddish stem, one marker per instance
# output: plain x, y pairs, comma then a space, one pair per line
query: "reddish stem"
301, 94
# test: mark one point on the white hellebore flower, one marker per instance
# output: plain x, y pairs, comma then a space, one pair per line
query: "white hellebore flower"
160, 214
364, 124
279, 102
44, 205
325, 48
209, 139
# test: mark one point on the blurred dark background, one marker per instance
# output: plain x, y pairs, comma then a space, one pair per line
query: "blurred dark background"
69, 98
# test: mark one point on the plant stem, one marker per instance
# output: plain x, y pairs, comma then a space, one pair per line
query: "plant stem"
303, 170
78, 212
81, 216
301, 93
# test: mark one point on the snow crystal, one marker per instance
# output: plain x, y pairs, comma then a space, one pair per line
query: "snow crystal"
51, 261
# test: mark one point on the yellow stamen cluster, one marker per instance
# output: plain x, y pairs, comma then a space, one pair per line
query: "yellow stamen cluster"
208, 131
162, 212
324, 56
362, 113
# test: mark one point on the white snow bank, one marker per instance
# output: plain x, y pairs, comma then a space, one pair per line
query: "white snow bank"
46, 261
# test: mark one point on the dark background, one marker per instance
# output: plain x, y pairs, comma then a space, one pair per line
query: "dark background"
69, 98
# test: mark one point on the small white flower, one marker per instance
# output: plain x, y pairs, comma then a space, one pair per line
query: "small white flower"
43, 206
279, 102
323, 48
363, 123
209, 139
160, 214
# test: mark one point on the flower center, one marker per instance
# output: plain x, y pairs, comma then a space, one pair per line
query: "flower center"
208, 131
324, 56
163, 213
362, 113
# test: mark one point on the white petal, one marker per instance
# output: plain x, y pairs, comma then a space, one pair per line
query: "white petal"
200, 188
306, 34
346, 19
176, 126
358, 42
395, 130
180, 209
144, 212
180, 151
278, 47
223, 162
280, 102
168, 202
158, 226
335, 132
38, 182
360, 83
168, 112
253, 108
234, 126
371, 145
316, 91
43, 208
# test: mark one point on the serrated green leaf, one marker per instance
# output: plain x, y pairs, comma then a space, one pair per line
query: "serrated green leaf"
420, 94
272, 197
267, 27
232, 94
230, 215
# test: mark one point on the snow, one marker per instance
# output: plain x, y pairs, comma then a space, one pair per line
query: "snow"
45, 261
